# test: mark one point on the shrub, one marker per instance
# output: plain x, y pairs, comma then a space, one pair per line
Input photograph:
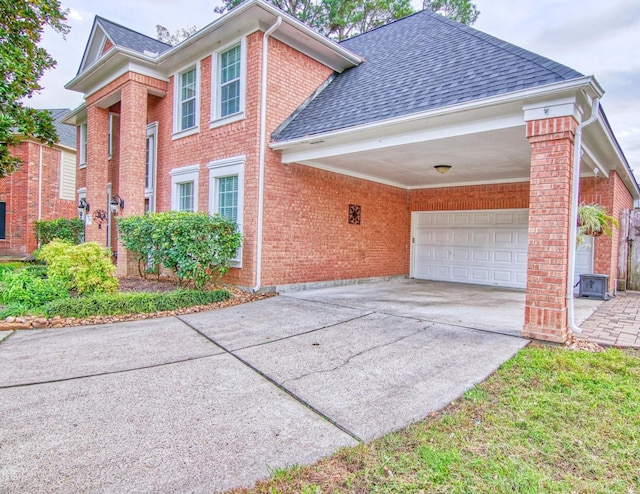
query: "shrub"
69, 230
86, 268
29, 289
129, 303
196, 246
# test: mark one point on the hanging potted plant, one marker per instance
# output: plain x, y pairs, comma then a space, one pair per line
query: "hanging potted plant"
594, 220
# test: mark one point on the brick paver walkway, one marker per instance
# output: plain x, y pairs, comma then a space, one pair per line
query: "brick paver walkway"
616, 322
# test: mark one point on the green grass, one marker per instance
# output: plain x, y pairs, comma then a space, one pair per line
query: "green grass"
549, 420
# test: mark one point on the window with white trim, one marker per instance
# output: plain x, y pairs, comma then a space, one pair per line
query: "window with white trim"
187, 96
82, 149
184, 188
226, 192
110, 137
229, 81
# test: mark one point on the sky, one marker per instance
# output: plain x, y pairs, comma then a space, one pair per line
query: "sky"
591, 36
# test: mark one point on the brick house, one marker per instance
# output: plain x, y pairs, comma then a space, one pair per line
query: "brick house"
44, 187
424, 148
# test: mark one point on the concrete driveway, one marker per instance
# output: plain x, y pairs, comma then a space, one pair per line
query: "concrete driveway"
214, 400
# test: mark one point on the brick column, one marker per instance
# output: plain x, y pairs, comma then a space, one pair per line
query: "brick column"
549, 211
97, 170
131, 174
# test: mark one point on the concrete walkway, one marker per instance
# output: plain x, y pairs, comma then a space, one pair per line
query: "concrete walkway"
616, 322
211, 401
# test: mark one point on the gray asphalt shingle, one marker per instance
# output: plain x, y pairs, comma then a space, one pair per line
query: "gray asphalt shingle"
419, 63
123, 36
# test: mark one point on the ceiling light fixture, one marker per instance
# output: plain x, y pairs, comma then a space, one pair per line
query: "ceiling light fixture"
442, 168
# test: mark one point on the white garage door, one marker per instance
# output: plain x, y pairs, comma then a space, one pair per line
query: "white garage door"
486, 247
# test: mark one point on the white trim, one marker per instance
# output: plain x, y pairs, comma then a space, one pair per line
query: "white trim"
82, 194
183, 175
177, 101
110, 137
151, 192
228, 167
216, 119
470, 184
477, 125
82, 148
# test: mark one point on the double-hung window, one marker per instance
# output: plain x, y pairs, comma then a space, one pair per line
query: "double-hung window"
186, 112
82, 155
184, 188
226, 192
228, 84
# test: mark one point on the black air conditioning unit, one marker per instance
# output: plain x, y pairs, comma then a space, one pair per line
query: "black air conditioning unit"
594, 286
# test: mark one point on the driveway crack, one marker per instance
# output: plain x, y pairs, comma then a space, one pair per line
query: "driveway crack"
355, 355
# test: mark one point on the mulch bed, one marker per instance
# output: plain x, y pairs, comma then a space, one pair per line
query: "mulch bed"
151, 285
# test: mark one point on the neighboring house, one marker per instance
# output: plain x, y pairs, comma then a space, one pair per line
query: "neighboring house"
44, 187
330, 155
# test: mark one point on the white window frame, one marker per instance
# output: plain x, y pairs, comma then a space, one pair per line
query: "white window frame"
177, 102
82, 149
226, 168
110, 137
216, 119
184, 175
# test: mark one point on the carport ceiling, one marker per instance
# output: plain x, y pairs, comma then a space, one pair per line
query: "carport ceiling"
502, 155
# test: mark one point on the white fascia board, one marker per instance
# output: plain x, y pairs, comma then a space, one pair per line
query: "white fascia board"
557, 88
397, 137
76, 115
252, 12
105, 65
466, 184
629, 177
553, 108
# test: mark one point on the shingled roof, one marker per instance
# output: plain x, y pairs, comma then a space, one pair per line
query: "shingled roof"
66, 133
422, 62
128, 38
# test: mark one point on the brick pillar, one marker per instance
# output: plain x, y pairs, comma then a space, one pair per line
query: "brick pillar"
131, 174
549, 211
97, 170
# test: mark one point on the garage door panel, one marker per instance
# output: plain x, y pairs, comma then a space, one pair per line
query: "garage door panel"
482, 247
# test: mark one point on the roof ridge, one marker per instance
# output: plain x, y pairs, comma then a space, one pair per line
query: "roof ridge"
510, 48
100, 18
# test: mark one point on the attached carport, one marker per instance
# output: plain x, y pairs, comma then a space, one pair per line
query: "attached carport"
500, 213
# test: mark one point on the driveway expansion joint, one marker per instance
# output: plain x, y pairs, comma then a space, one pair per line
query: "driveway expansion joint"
278, 385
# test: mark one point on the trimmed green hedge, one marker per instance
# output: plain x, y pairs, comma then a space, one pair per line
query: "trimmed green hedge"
129, 303
69, 230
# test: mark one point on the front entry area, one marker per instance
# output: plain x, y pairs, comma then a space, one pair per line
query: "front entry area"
484, 247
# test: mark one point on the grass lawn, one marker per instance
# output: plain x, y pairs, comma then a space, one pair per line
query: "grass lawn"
549, 420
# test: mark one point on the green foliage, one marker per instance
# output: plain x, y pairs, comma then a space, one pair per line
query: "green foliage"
22, 64
10, 266
458, 10
85, 268
594, 220
341, 19
130, 303
29, 288
69, 230
196, 246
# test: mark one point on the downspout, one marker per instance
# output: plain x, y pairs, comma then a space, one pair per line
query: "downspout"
40, 182
261, 158
573, 220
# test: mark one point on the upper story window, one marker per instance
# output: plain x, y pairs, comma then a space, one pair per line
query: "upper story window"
187, 90
82, 149
228, 84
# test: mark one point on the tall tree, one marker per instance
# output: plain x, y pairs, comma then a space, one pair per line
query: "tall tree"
22, 64
459, 10
338, 19
164, 35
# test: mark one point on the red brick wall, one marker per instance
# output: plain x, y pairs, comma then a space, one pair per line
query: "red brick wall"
19, 191
550, 200
614, 195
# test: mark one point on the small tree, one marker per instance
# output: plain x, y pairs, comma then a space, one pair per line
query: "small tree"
164, 35
22, 64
